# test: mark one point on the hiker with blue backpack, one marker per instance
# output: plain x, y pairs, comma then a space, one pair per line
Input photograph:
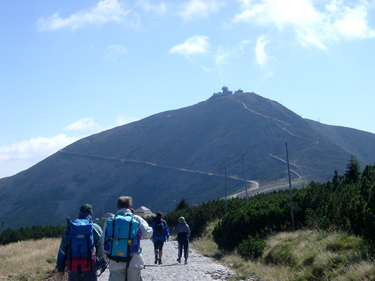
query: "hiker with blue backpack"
121, 242
80, 248
183, 233
161, 235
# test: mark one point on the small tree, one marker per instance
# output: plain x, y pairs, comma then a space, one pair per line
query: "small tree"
353, 171
182, 205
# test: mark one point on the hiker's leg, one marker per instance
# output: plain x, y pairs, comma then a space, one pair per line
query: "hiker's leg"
117, 275
89, 275
134, 274
160, 253
180, 245
156, 251
161, 249
186, 249
74, 276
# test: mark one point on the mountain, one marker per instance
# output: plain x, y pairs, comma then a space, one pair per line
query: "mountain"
183, 153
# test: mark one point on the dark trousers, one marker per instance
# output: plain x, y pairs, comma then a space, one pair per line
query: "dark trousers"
184, 244
83, 276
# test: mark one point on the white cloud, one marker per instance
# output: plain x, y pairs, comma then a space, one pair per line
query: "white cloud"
260, 53
351, 23
151, 8
105, 11
83, 124
192, 46
118, 48
199, 9
115, 51
312, 26
22, 155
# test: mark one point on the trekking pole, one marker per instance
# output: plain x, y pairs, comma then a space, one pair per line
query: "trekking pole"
102, 270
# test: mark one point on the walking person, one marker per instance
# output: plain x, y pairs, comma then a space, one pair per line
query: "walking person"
183, 234
80, 248
121, 242
161, 235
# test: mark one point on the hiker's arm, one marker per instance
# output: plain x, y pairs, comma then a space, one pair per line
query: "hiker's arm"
61, 256
166, 230
102, 242
146, 230
98, 233
175, 229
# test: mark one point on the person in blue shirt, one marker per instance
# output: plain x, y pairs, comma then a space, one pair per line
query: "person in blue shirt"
161, 235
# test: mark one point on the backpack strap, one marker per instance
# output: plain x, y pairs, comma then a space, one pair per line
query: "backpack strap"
113, 234
128, 249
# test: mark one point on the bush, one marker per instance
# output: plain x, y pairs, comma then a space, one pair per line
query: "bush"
31, 233
252, 247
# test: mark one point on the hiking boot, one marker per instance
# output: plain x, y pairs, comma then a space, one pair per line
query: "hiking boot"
160, 261
179, 260
156, 261
185, 261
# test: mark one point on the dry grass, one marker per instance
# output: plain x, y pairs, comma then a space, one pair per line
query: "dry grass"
205, 244
28, 260
300, 255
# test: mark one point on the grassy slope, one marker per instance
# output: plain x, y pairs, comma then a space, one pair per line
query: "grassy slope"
302, 255
29, 260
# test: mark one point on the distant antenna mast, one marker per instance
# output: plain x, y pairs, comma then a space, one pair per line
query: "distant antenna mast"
225, 190
244, 176
290, 188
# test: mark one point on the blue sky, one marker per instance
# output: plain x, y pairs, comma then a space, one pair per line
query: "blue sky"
69, 69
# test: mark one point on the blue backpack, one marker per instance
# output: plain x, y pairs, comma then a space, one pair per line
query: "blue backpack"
81, 249
122, 238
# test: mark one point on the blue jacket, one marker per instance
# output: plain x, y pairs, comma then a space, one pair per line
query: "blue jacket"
165, 235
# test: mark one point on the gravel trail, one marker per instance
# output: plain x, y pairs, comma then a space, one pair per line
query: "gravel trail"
198, 267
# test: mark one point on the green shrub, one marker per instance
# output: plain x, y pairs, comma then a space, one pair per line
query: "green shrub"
251, 248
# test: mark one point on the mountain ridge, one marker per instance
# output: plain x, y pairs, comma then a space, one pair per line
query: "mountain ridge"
183, 153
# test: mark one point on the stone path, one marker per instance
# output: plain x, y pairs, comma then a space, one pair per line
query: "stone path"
198, 267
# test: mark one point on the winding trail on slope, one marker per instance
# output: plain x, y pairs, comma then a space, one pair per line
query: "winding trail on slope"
256, 184
281, 124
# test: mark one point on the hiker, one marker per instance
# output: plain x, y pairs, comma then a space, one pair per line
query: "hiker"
183, 233
161, 234
121, 242
80, 248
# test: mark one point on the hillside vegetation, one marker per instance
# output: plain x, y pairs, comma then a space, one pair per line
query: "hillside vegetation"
343, 208
301, 255
334, 240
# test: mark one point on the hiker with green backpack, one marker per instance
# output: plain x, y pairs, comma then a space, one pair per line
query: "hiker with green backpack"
80, 248
121, 242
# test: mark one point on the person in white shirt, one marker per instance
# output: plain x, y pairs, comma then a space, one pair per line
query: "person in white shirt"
121, 270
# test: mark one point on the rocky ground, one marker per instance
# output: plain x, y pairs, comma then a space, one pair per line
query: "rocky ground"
198, 267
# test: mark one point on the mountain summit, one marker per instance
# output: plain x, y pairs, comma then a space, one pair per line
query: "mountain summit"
183, 153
